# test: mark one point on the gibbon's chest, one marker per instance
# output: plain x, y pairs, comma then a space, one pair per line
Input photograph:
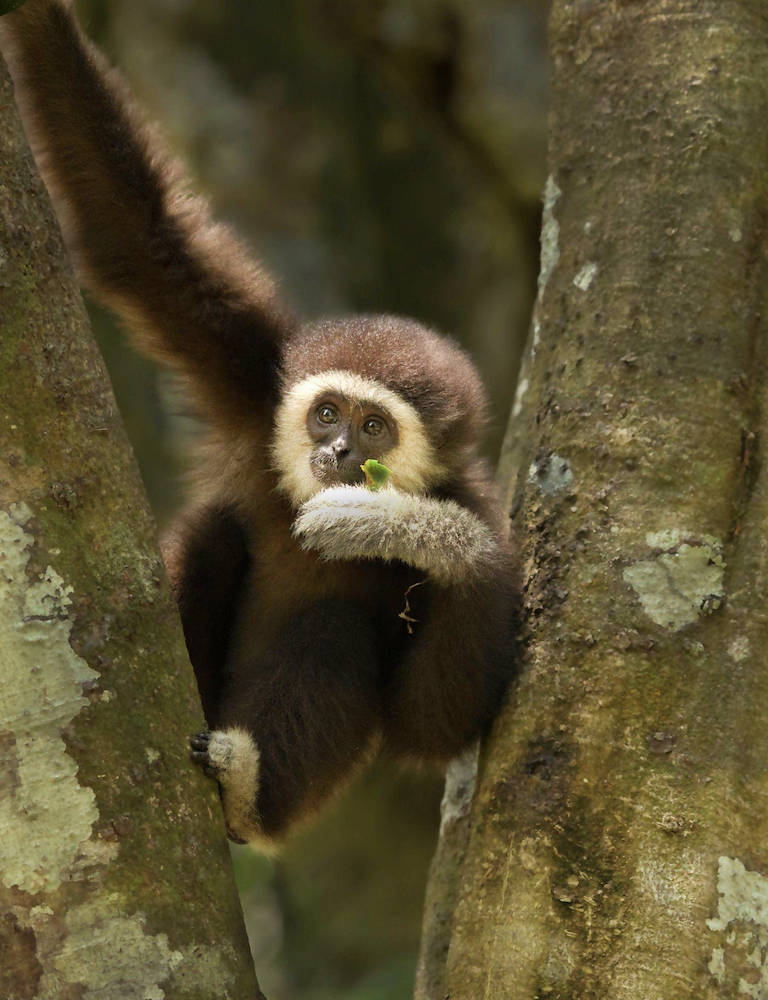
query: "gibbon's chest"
284, 581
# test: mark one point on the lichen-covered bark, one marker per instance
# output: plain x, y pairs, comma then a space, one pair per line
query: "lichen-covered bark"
617, 845
114, 875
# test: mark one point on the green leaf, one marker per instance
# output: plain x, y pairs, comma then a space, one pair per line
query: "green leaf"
376, 474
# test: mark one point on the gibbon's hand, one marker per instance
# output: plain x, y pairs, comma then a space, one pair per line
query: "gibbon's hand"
443, 539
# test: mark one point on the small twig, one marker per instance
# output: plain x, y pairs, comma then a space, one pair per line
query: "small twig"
405, 613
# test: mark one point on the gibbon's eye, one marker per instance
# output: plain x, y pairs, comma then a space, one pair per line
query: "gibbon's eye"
373, 426
328, 415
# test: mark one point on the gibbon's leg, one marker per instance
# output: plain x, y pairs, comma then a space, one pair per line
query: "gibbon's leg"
184, 284
447, 688
295, 723
207, 560
446, 691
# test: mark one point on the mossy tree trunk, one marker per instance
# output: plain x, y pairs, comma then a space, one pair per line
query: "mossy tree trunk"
617, 839
114, 874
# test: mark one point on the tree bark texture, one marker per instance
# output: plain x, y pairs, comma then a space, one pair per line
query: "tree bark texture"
115, 882
617, 842
444, 884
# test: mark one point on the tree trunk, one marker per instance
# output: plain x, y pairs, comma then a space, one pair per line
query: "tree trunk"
617, 839
114, 878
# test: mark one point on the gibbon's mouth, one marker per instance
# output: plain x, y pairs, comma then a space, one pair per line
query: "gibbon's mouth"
333, 473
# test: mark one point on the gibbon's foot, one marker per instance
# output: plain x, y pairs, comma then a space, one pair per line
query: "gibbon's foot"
232, 758
198, 751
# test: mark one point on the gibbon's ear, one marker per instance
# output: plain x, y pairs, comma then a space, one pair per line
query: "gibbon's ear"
144, 245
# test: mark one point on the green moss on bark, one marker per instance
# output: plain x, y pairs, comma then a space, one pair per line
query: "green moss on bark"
149, 879
628, 760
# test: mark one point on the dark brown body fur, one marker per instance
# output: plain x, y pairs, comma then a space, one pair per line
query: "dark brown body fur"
309, 656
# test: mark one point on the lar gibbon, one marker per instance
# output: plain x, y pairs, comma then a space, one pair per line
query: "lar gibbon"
323, 619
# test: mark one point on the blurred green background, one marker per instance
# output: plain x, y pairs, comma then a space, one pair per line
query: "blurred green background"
379, 155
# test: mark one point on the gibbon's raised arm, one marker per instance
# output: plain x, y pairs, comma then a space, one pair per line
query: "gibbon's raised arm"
439, 537
146, 247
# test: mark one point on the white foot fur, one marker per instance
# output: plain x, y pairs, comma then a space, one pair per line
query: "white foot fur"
232, 758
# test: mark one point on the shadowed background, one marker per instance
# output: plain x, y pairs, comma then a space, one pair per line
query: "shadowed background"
380, 156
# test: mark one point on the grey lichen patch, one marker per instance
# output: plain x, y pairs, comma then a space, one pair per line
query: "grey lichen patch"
459, 788
46, 820
739, 649
735, 224
550, 234
586, 276
105, 953
522, 388
743, 895
667, 538
111, 956
207, 969
717, 964
683, 582
551, 474
536, 335
743, 907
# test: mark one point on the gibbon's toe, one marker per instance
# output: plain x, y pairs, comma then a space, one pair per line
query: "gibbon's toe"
229, 754
200, 741
199, 751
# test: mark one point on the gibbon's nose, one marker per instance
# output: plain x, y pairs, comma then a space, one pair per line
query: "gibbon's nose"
341, 448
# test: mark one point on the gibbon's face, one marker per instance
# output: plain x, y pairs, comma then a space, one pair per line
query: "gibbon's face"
346, 433
329, 424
